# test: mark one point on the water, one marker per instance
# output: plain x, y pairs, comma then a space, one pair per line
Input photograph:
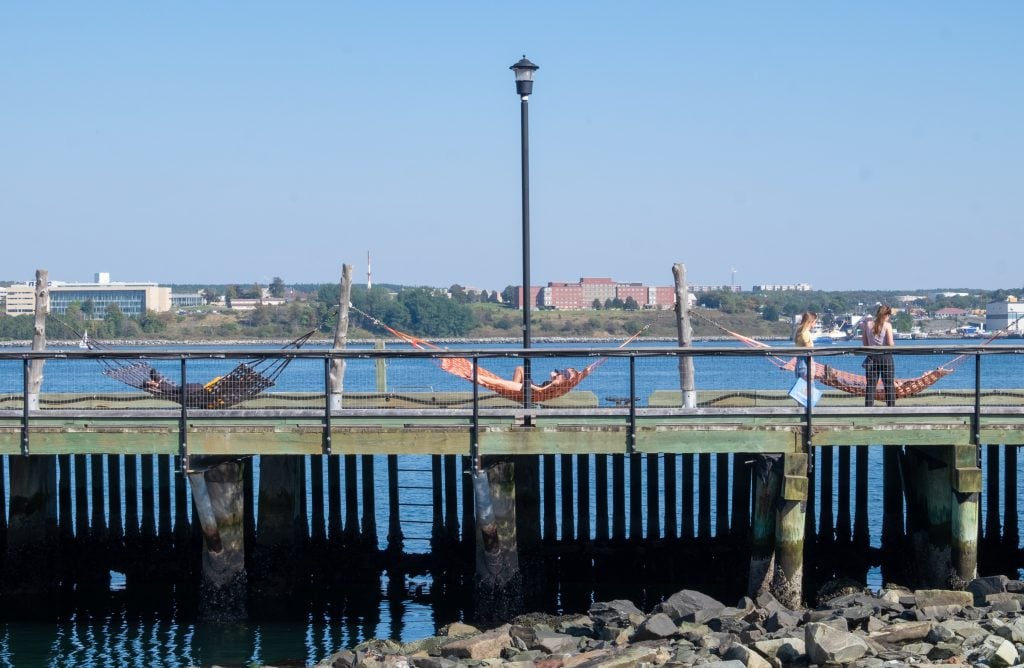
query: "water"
124, 631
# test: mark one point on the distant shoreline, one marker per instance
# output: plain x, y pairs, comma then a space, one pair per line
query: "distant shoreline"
73, 343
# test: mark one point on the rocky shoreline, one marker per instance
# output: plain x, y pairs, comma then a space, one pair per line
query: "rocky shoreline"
981, 625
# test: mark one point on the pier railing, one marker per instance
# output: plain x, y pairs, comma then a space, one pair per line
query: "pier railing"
629, 383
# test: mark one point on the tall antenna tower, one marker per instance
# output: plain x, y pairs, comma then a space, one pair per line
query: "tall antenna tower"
369, 273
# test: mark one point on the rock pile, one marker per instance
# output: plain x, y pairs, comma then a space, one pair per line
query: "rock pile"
980, 626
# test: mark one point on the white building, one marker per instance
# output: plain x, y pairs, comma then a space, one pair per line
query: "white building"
783, 287
134, 299
1005, 315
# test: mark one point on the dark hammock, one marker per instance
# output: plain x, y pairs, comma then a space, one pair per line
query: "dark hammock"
245, 381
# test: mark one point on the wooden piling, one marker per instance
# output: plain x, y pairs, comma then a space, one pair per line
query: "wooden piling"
843, 519
369, 523
992, 523
337, 365
224, 581
35, 367
636, 490
767, 475
787, 581
892, 502
350, 535
550, 501
498, 590
966, 484
280, 528
739, 523
164, 480
566, 488
451, 499
334, 510
618, 497
601, 516
1011, 521
704, 496
670, 475
395, 537
583, 494
31, 538
721, 495
861, 533
686, 526
653, 494
469, 513
926, 478
318, 534
826, 523
684, 335
131, 503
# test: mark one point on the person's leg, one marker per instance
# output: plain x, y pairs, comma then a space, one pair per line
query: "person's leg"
889, 381
871, 382
517, 375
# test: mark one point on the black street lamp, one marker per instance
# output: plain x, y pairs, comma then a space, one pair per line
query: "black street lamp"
524, 70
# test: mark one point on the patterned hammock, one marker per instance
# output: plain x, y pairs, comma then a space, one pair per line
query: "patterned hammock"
245, 381
463, 368
846, 381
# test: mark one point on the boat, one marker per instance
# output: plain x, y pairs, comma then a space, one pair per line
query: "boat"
84, 342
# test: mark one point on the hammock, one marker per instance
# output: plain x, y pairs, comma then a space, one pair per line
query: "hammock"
245, 381
846, 381
463, 368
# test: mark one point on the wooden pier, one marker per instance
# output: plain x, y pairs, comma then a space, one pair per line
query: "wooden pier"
284, 491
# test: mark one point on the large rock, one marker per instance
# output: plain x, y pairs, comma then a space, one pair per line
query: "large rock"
690, 606
982, 587
926, 598
657, 626
902, 633
826, 644
749, 657
483, 646
618, 613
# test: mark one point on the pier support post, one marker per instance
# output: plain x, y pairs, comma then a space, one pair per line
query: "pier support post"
787, 581
499, 591
943, 486
280, 530
32, 533
218, 496
966, 492
767, 483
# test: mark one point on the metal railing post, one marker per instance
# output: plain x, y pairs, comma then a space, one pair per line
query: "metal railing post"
808, 409
632, 405
24, 407
977, 403
183, 422
474, 437
326, 445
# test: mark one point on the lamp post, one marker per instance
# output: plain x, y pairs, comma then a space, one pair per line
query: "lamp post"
524, 70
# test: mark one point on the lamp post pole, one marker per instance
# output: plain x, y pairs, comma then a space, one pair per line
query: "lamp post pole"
524, 70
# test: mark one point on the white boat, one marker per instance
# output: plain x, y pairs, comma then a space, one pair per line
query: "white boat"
84, 343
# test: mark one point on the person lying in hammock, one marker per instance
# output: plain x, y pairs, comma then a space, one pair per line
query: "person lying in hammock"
160, 386
558, 377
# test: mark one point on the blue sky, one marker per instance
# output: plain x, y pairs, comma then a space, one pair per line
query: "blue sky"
847, 145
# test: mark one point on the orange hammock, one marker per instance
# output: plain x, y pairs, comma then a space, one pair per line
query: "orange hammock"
846, 381
463, 368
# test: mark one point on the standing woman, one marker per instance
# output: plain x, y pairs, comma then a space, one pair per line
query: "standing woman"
878, 332
803, 339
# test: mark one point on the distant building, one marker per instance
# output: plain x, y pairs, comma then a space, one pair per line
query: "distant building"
951, 312
134, 299
783, 287
187, 299
588, 290
1005, 315
697, 289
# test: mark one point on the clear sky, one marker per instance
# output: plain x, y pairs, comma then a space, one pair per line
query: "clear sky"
844, 144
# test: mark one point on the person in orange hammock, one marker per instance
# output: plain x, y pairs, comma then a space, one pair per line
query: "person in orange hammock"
557, 376
878, 332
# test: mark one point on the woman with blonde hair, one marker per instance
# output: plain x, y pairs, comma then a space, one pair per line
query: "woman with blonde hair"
878, 332
803, 339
